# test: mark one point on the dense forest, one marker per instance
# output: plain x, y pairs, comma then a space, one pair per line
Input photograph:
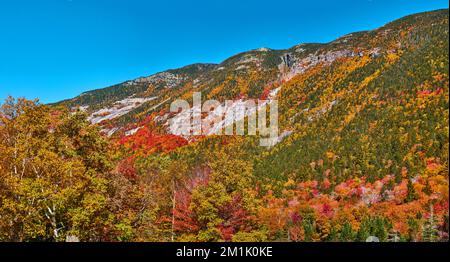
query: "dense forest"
365, 150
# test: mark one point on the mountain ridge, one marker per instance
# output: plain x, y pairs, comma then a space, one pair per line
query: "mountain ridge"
249, 73
249, 51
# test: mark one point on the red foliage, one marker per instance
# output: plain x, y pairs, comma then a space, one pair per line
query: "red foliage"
185, 218
327, 210
326, 183
126, 167
235, 217
430, 92
146, 142
296, 218
265, 94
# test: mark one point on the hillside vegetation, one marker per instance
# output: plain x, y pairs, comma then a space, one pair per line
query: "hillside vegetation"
364, 150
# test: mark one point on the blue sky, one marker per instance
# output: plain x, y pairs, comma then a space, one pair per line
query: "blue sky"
56, 49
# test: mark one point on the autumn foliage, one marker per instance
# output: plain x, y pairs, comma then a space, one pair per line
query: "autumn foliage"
362, 152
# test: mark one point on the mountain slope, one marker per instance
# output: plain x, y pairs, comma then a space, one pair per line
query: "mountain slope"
363, 146
250, 73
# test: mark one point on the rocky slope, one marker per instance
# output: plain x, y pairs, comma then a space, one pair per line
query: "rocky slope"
251, 73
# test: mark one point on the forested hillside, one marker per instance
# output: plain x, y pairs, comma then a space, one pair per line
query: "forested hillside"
363, 149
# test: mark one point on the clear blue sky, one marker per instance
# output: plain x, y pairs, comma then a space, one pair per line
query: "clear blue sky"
56, 49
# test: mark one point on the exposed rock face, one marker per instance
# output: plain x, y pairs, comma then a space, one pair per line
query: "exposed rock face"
132, 131
217, 115
287, 60
291, 66
167, 79
249, 59
120, 108
263, 49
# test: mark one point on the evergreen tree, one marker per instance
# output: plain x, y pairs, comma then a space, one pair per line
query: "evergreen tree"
347, 234
412, 194
430, 229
